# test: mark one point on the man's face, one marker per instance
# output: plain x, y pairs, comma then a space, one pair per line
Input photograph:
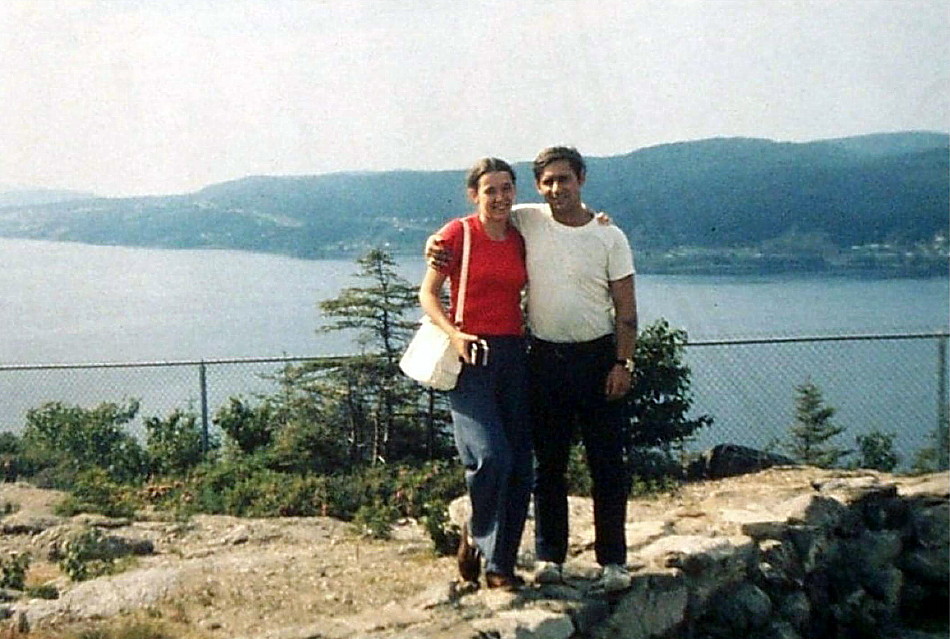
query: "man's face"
560, 187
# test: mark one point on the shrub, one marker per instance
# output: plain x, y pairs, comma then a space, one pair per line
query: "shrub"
660, 399
936, 456
13, 570
86, 555
375, 520
444, 534
175, 444
250, 428
10, 450
65, 439
95, 492
876, 450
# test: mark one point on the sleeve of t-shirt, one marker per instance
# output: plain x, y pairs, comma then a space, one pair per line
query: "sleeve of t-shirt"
452, 240
517, 215
620, 257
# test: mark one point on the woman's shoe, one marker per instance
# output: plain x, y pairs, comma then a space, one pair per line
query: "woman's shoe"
511, 583
469, 557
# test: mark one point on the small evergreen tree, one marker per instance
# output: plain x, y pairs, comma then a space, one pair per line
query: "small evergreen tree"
385, 413
813, 429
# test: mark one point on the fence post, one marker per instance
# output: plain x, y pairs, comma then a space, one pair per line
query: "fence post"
203, 384
942, 398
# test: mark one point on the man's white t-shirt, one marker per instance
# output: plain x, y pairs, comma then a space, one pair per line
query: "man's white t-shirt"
569, 272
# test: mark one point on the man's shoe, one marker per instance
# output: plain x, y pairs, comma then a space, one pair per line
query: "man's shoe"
511, 583
469, 557
548, 572
615, 578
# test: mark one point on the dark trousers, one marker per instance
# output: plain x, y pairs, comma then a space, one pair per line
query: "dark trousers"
567, 394
490, 414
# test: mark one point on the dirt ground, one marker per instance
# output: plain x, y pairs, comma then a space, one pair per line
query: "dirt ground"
227, 577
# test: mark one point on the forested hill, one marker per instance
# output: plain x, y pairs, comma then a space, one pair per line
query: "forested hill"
729, 192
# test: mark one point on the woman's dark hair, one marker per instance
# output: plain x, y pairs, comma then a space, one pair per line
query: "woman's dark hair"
556, 153
487, 165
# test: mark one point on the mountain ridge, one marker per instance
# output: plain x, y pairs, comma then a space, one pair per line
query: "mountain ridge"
714, 193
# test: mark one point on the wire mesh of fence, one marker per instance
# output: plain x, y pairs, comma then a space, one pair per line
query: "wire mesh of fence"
892, 384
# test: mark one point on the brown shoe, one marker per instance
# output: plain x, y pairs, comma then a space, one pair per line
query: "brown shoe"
511, 583
469, 557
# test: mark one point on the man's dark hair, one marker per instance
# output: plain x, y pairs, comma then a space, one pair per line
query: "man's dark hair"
487, 165
556, 153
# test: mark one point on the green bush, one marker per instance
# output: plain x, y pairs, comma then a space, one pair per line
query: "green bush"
63, 440
876, 450
13, 570
306, 446
42, 591
10, 453
936, 456
250, 428
175, 444
444, 534
86, 555
95, 492
660, 398
375, 520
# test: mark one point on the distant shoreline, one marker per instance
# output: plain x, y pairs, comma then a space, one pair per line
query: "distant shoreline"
728, 262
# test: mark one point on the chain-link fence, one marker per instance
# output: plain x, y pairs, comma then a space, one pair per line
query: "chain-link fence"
892, 384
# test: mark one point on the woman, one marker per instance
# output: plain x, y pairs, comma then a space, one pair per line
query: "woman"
490, 402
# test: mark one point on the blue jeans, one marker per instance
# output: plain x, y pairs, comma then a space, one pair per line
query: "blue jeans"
490, 413
567, 394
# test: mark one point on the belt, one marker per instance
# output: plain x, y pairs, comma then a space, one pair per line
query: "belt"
594, 346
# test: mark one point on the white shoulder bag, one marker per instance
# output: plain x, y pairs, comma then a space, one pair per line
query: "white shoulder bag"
430, 358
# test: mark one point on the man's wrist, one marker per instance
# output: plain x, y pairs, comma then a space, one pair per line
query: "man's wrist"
626, 363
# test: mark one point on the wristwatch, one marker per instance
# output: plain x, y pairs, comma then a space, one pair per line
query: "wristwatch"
626, 363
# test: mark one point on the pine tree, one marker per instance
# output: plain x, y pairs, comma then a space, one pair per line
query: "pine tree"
813, 429
382, 408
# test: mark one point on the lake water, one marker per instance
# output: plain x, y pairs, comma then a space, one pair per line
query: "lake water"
72, 303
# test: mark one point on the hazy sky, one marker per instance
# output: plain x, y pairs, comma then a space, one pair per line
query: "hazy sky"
165, 96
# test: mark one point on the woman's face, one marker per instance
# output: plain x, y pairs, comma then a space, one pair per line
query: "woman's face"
494, 196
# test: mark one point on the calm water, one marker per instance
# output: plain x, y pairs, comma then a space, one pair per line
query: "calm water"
71, 303
66, 302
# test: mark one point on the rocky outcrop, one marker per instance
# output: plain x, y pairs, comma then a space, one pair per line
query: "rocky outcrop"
842, 554
784, 553
730, 460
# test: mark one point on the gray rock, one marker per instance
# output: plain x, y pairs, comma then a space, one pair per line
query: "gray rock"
654, 607
927, 564
730, 460
813, 510
779, 629
529, 622
795, 608
812, 545
28, 524
588, 614
742, 609
931, 525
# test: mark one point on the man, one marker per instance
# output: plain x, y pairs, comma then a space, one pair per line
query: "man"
582, 316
